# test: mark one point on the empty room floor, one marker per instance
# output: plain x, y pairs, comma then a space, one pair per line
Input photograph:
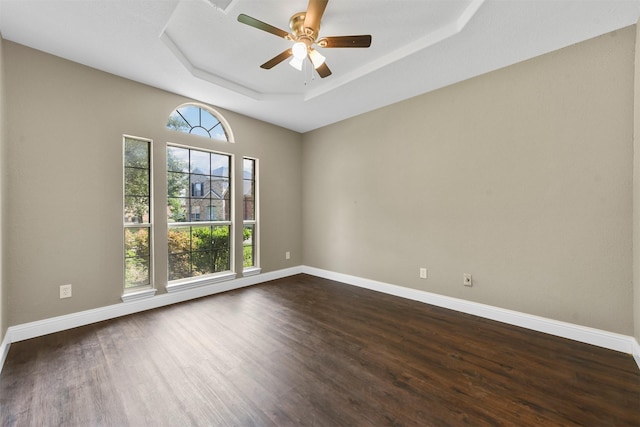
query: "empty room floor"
306, 351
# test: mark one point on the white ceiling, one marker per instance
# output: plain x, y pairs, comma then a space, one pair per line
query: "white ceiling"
198, 49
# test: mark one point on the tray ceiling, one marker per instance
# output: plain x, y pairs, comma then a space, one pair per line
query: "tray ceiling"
197, 48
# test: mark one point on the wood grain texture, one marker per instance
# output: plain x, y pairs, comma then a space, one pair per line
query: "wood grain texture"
305, 351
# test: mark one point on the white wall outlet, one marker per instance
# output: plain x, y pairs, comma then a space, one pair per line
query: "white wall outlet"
423, 273
467, 280
287, 255
65, 291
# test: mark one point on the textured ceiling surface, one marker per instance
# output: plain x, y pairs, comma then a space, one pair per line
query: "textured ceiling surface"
198, 49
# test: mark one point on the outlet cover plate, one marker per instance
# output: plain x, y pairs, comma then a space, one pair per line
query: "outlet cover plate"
467, 280
65, 291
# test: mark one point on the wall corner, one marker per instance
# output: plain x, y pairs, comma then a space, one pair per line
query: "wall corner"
636, 189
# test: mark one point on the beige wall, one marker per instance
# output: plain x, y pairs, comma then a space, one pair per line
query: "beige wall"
521, 177
64, 159
4, 323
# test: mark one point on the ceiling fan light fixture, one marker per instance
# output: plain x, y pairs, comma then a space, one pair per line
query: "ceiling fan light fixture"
296, 63
316, 58
305, 29
299, 50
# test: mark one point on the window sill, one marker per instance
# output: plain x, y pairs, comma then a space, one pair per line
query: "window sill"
251, 271
138, 295
181, 285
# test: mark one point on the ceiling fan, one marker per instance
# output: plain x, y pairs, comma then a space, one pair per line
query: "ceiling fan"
305, 28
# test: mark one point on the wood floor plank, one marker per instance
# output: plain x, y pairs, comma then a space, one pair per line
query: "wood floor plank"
305, 351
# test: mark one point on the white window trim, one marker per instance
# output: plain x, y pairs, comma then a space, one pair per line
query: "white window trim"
195, 282
136, 295
251, 271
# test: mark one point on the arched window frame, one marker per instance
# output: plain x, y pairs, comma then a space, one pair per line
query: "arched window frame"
219, 117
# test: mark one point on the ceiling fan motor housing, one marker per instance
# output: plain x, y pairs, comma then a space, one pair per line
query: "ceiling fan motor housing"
302, 33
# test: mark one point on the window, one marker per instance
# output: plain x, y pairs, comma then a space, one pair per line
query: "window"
197, 120
250, 223
198, 182
202, 237
137, 213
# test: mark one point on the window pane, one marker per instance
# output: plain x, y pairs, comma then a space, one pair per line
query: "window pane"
191, 114
199, 185
136, 272
219, 188
248, 246
201, 238
177, 184
218, 210
194, 251
247, 168
136, 210
177, 209
200, 162
218, 133
249, 200
137, 257
248, 189
221, 246
200, 131
136, 153
136, 242
177, 159
202, 263
207, 120
219, 165
179, 239
179, 266
176, 122
136, 182
199, 209
249, 210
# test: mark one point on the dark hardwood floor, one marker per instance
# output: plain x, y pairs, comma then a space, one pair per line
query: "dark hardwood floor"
308, 351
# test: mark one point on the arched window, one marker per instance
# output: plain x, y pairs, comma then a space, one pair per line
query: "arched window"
199, 120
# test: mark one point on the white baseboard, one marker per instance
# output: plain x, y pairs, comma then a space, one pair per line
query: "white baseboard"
610, 340
636, 352
600, 338
4, 349
56, 324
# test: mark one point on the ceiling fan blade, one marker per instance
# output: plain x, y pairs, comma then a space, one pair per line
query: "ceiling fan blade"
323, 70
345, 41
277, 59
253, 22
315, 10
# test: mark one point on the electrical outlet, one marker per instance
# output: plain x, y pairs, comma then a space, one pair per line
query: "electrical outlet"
423, 273
467, 280
287, 255
65, 291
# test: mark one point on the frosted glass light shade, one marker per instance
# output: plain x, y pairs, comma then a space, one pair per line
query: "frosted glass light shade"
299, 50
316, 58
296, 63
